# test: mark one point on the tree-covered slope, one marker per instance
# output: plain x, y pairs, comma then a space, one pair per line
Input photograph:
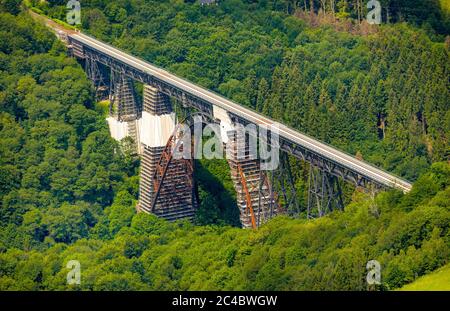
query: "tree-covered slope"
407, 234
59, 167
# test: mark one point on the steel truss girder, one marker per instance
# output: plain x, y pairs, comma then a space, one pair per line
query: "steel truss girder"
328, 166
143, 77
331, 167
263, 182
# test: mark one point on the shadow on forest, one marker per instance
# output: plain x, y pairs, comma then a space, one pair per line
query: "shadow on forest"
216, 192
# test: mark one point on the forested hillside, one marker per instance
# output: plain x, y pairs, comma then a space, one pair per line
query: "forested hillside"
59, 167
68, 191
408, 234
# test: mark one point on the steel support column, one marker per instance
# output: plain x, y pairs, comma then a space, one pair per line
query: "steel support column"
167, 186
96, 74
123, 108
123, 104
256, 200
324, 194
173, 180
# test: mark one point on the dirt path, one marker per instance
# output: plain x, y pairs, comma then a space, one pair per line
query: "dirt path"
57, 28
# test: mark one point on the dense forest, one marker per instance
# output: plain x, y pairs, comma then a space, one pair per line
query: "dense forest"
68, 191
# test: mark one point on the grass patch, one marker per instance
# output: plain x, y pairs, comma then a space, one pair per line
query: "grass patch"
435, 281
103, 106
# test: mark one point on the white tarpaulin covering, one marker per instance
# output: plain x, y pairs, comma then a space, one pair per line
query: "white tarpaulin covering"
225, 122
156, 130
118, 129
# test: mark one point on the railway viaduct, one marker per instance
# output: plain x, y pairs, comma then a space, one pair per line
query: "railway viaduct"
167, 184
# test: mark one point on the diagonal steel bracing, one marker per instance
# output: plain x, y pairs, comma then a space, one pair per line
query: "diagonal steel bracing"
324, 194
96, 73
174, 176
255, 197
298, 144
123, 104
283, 186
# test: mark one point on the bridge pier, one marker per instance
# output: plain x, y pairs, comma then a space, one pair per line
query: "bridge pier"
124, 113
324, 195
166, 184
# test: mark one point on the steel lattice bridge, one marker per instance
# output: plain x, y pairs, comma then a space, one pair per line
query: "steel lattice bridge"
167, 185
